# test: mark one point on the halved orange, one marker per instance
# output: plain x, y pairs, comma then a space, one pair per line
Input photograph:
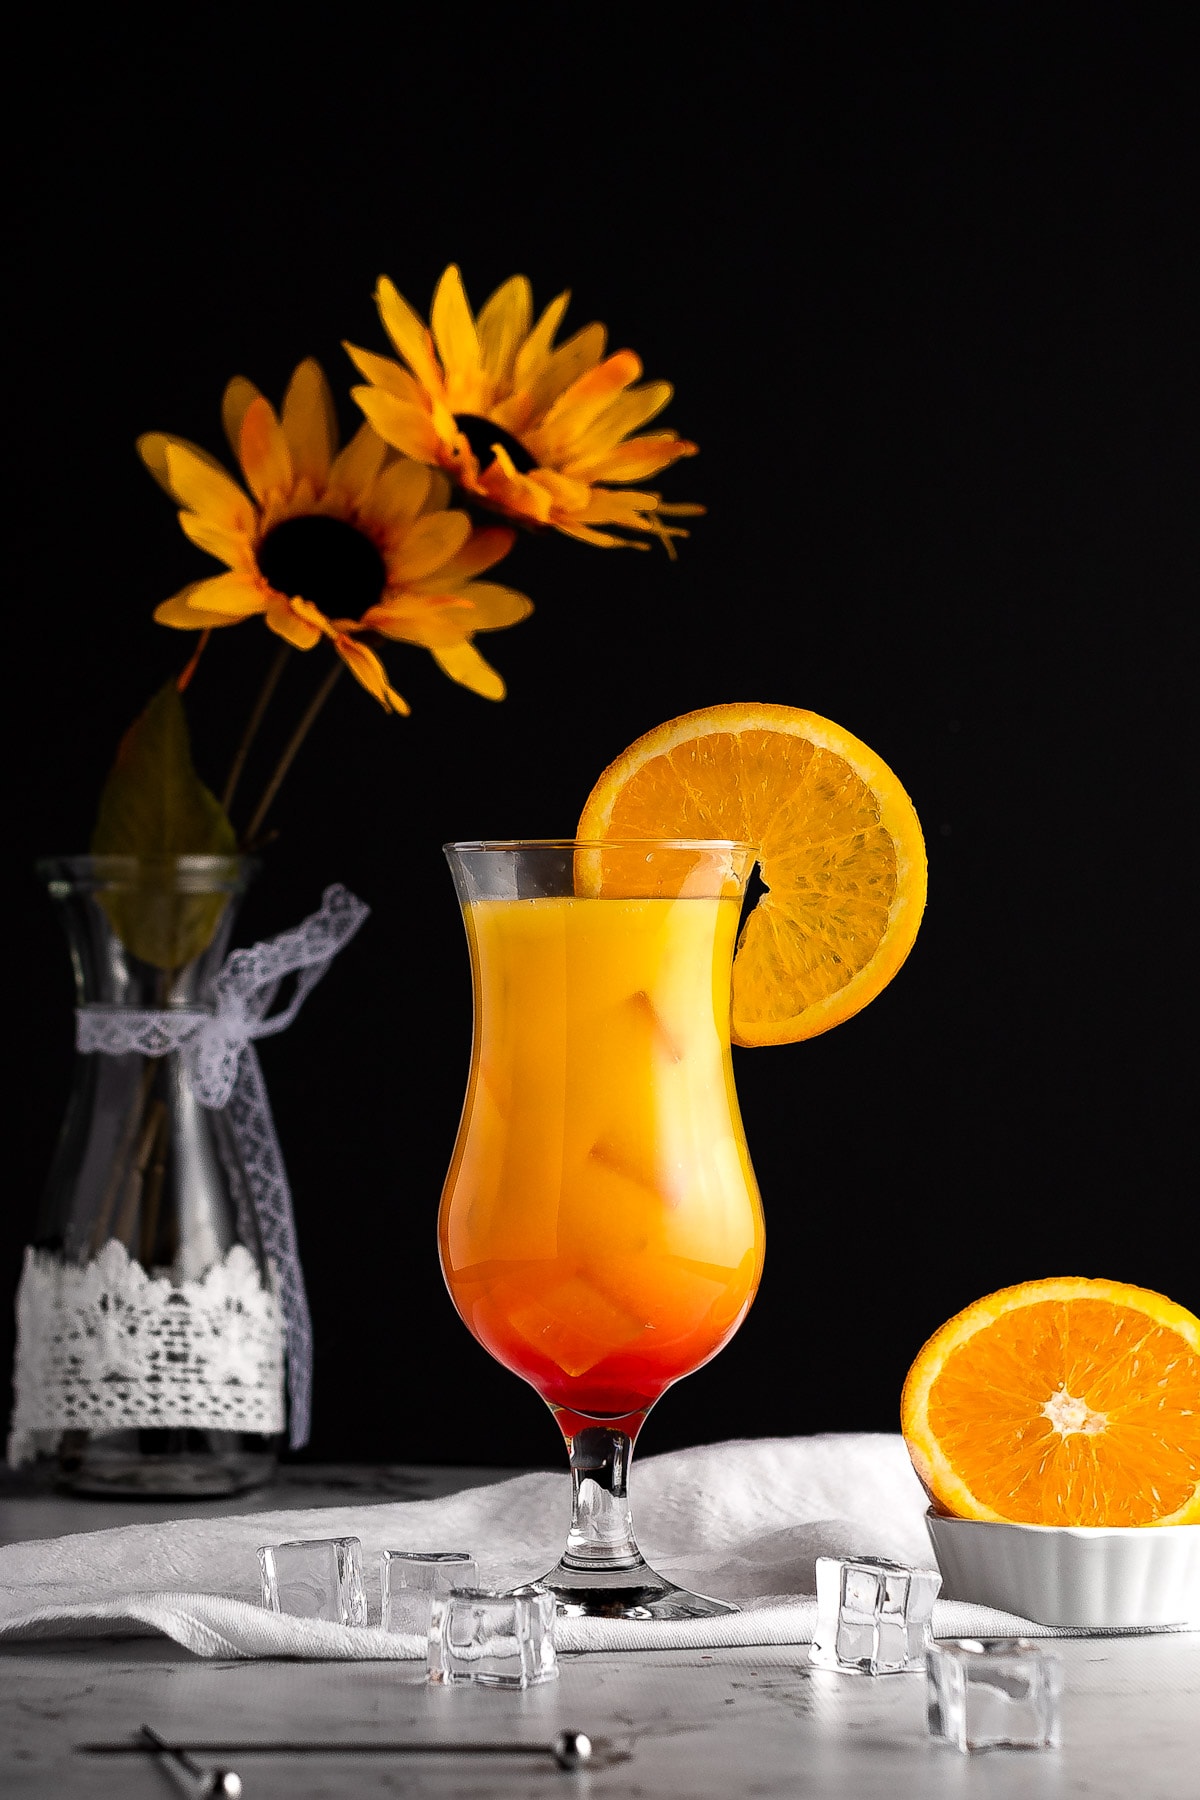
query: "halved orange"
839, 846
1060, 1402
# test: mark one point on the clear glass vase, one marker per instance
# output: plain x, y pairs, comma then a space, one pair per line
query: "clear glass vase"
150, 1354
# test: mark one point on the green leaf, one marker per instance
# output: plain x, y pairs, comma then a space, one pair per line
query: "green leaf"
154, 803
155, 807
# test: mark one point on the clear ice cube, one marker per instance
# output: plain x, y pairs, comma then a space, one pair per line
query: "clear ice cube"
317, 1578
492, 1640
872, 1615
408, 1580
987, 1691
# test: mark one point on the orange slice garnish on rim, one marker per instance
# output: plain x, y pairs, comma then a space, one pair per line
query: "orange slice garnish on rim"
1061, 1402
839, 847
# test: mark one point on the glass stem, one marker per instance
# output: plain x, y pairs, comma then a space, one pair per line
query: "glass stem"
601, 1534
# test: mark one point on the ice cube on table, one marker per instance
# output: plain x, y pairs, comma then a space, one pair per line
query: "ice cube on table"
491, 1640
315, 1578
408, 1580
872, 1615
983, 1692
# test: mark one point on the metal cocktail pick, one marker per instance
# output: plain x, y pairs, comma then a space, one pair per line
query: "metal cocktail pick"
211, 1783
570, 1750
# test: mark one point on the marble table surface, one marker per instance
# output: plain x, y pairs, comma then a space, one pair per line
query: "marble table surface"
683, 1726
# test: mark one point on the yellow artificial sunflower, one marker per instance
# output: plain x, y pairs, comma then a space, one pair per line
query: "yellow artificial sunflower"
533, 430
360, 531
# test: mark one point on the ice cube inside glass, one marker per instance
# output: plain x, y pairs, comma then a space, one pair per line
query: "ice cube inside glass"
982, 1692
491, 1640
315, 1578
872, 1615
408, 1580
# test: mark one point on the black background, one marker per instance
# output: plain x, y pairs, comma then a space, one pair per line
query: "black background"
925, 281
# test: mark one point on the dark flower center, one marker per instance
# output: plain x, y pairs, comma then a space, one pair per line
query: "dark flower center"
325, 561
481, 434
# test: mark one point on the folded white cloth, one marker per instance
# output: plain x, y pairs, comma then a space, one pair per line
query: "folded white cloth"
743, 1521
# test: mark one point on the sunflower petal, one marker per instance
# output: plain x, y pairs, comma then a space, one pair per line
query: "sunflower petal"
310, 614
399, 495
444, 424
447, 617
433, 540
235, 403
230, 547
177, 612
263, 451
232, 596
578, 406
536, 348
614, 506
630, 510
440, 489
502, 327
511, 492
427, 619
628, 412
495, 607
153, 447
482, 550
202, 486
309, 424
294, 622
564, 367
385, 373
566, 495
356, 465
408, 333
463, 663
367, 669
631, 461
406, 427
605, 540
455, 335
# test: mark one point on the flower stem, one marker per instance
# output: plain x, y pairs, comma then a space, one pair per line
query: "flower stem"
183, 680
253, 723
298, 736
119, 1167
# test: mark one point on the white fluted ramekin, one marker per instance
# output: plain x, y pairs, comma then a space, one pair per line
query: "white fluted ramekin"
1072, 1575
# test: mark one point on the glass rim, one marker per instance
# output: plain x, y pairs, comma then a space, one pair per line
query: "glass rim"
159, 860
665, 843
163, 873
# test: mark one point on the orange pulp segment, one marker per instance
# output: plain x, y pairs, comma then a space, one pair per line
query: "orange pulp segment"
839, 847
1060, 1402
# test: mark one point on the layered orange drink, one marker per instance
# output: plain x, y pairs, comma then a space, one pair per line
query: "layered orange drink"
601, 1232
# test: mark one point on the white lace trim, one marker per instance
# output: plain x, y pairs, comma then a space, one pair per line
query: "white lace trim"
224, 1071
106, 1347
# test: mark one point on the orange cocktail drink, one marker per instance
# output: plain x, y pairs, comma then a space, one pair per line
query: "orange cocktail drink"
601, 1232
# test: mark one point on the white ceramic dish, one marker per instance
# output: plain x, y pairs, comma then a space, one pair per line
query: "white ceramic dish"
1072, 1575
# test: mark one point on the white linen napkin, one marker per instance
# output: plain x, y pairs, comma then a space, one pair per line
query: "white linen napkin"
743, 1521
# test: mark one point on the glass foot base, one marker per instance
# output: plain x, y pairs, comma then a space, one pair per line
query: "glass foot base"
638, 1592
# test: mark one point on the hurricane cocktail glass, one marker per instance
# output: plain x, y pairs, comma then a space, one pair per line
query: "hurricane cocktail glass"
600, 1231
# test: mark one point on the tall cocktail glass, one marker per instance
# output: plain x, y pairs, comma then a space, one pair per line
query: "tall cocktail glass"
600, 1230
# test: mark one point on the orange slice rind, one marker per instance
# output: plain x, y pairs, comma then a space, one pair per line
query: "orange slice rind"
839, 847
1069, 1402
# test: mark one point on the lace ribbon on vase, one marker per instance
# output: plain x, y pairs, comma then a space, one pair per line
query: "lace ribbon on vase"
223, 1068
107, 1347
